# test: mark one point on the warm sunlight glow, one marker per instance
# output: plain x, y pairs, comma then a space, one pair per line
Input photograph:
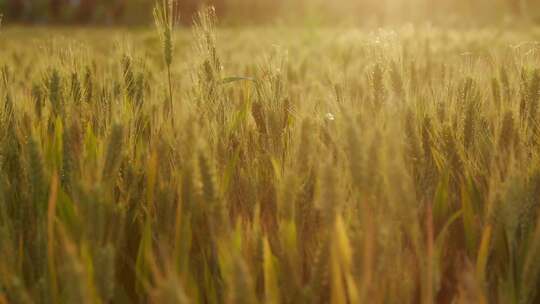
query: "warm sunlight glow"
270, 151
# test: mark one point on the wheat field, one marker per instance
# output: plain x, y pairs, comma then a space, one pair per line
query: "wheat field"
269, 165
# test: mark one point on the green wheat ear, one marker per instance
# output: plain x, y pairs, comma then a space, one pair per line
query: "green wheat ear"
8, 113
113, 154
75, 90
37, 175
37, 97
139, 90
55, 91
88, 85
507, 131
129, 77
208, 180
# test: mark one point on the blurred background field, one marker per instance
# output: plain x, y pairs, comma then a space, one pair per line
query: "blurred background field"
237, 12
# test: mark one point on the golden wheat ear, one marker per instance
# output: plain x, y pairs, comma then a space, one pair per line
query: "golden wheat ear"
165, 17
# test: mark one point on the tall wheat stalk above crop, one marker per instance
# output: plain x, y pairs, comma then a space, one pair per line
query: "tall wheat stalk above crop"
165, 17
